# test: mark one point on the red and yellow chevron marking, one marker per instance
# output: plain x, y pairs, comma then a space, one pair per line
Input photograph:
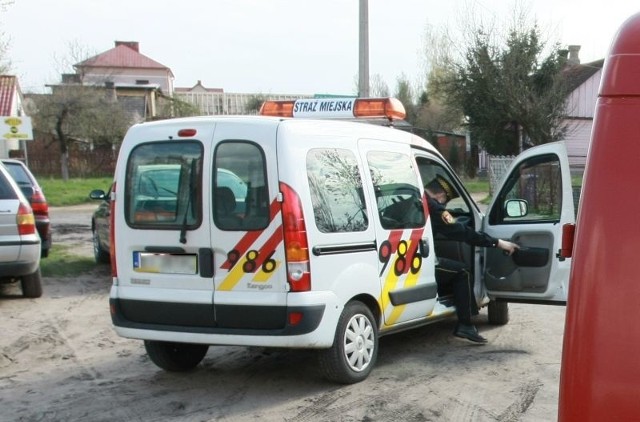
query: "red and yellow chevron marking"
402, 249
260, 261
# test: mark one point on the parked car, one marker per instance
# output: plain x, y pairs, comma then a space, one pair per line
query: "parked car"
19, 239
100, 225
35, 195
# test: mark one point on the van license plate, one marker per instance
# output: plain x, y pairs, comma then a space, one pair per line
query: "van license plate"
165, 263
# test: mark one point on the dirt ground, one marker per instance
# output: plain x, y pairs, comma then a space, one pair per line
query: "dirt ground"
60, 360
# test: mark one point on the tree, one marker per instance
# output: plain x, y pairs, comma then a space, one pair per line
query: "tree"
76, 113
255, 102
174, 107
511, 93
379, 88
434, 112
404, 93
5, 62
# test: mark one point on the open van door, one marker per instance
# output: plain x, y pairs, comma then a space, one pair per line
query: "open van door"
533, 203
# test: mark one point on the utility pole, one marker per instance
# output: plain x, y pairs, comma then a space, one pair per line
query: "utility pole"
363, 69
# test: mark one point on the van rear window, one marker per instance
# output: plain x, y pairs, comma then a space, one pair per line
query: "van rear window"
241, 194
163, 185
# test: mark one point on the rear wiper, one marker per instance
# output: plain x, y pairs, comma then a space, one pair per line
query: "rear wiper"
183, 229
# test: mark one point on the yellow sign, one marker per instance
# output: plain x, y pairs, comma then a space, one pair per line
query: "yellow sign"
16, 127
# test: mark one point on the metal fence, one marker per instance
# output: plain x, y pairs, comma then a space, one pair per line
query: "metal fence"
497, 168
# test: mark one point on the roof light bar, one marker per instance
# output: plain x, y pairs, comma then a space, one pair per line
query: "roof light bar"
389, 108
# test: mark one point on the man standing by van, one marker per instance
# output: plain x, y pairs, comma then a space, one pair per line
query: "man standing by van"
453, 275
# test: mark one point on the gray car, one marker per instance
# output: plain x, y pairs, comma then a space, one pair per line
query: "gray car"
19, 239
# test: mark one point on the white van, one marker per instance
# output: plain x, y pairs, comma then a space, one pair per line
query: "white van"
308, 233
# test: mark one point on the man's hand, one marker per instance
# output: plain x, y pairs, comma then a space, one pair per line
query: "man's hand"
508, 247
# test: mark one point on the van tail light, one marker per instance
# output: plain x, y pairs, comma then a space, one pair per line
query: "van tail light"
39, 204
112, 231
568, 233
26, 220
295, 240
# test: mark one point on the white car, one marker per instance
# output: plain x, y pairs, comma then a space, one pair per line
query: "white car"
19, 239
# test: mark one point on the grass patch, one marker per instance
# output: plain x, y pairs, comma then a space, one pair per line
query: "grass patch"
62, 262
72, 192
476, 185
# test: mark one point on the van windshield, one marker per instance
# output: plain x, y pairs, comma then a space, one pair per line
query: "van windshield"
162, 185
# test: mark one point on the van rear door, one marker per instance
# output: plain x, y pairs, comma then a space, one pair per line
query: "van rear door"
246, 227
533, 203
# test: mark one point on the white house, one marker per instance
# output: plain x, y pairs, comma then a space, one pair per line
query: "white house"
10, 105
584, 82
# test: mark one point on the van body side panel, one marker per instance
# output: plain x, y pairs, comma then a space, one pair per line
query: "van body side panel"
600, 374
326, 172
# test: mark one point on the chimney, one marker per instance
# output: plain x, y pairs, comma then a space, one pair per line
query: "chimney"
573, 54
132, 45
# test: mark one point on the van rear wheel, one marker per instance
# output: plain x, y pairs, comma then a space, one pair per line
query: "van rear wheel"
175, 357
355, 346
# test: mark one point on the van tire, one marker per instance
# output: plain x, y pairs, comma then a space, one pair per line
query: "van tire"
101, 256
175, 357
32, 284
356, 336
498, 312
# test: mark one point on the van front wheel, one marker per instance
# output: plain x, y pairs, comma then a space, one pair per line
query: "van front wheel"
175, 357
355, 346
498, 312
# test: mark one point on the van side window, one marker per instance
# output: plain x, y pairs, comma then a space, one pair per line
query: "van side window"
397, 190
336, 191
534, 190
240, 193
162, 185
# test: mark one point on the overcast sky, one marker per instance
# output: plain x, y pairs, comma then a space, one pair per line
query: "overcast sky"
278, 46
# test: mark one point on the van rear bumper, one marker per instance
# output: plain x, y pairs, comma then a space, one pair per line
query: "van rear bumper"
233, 320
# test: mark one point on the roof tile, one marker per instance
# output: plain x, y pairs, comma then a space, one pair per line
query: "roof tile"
121, 56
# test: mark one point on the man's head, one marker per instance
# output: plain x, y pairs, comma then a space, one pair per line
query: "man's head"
441, 190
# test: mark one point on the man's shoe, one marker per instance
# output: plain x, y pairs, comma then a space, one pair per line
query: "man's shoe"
469, 332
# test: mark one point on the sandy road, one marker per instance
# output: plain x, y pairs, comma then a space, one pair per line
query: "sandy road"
61, 361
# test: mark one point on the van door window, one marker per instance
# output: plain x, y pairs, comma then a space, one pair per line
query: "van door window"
240, 192
533, 193
397, 190
336, 191
162, 185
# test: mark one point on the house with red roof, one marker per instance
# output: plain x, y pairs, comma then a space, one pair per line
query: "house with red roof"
138, 81
10, 105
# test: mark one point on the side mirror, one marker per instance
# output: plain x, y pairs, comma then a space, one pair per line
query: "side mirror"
97, 194
516, 208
